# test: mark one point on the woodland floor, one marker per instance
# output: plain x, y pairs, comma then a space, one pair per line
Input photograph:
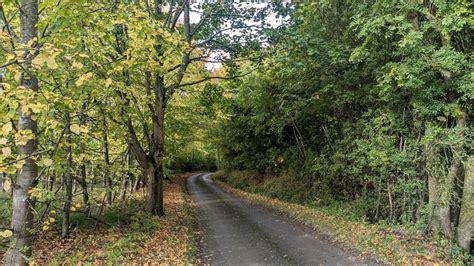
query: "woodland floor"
125, 234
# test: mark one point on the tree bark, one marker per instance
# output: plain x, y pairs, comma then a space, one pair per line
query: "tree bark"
83, 173
22, 217
434, 171
465, 230
68, 181
156, 186
107, 178
85, 193
127, 179
441, 189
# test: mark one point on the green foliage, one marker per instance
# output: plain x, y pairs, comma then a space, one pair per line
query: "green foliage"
124, 246
131, 216
348, 103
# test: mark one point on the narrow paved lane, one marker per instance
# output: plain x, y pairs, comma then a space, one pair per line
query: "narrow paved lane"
236, 232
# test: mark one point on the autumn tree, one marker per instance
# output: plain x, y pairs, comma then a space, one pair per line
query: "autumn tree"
27, 141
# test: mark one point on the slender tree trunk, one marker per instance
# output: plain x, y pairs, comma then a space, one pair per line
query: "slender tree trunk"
131, 184
107, 178
138, 180
74, 187
68, 181
465, 230
83, 173
85, 193
52, 180
127, 179
131, 180
390, 201
22, 217
123, 189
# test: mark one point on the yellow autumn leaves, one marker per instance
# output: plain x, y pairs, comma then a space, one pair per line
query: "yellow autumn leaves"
49, 221
83, 78
7, 151
76, 129
6, 129
6, 234
46, 57
42, 59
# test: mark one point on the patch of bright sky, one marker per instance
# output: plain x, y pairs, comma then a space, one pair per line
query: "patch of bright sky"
272, 19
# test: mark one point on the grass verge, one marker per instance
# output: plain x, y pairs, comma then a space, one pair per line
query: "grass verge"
388, 244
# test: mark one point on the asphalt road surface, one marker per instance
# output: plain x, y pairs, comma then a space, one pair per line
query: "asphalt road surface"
236, 232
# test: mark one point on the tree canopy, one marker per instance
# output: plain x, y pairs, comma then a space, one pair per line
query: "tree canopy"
363, 104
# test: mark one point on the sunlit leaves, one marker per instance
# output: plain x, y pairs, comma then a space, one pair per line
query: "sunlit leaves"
47, 162
83, 78
47, 57
7, 185
6, 234
77, 65
108, 82
6, 129
6, 151
75, 128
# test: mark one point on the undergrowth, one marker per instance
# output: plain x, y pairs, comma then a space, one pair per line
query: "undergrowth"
123, 233
344, 221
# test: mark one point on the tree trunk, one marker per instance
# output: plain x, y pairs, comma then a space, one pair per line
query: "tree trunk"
131, 180
22, 217
441, 216
85, 194
136, 183
83, 173
151, 189
52, 180
465, 230
68, 181
107, 179
434, 171
123, 189
159, 141
127, 179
